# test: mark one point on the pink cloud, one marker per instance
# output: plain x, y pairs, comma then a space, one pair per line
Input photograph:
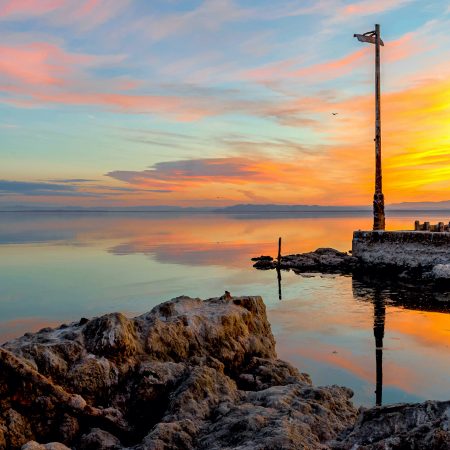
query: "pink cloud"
334, 67
396, 50
39, 63
86, 14
283, 70
210, 15
12, 8
369, 7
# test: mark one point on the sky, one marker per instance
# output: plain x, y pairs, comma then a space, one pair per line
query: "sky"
218, 102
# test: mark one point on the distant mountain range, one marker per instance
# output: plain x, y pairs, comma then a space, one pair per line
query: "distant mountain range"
420, 206
234, 209
252, 208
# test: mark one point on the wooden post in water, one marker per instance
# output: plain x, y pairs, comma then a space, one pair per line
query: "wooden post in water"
279, 252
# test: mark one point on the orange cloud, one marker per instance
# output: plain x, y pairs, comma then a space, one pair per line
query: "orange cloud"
416, 162
209, 178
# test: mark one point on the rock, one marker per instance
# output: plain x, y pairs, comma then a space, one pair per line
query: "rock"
111, 336
326, 260
98, 439
190, 374
441, 272
33, 445
331, 261
294, 416
160, 380
262, 258
17, 428
397, 427
264, 264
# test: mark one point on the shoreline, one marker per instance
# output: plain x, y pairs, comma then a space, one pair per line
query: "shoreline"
201, 373
331, 261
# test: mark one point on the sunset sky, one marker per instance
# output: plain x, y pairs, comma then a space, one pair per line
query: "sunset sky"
218, 102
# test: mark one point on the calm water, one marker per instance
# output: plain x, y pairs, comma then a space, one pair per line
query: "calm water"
57, 268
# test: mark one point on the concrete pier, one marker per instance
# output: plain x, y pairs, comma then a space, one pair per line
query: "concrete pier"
402, 248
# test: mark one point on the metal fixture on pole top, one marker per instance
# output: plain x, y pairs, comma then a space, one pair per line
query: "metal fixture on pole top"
373, 37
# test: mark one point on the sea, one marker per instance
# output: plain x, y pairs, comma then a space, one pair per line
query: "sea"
389, 343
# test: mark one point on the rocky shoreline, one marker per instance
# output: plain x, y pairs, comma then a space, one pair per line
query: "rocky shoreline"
190, 374
322, 260
330, 260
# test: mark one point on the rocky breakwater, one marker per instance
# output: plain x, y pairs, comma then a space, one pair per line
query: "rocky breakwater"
190, 374
331, 261
323, 260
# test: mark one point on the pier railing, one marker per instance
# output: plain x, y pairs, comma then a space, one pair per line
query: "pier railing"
440, 227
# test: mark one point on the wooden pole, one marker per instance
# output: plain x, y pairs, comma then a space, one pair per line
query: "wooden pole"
279, 251
378, 198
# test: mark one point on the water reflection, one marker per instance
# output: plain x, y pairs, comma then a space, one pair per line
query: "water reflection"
405, 294
379, 317
55, 268
410, 296
280, 297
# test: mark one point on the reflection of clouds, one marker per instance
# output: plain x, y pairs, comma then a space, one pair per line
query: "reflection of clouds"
361, 365
34, 236
226, 254
12, 328
416, 311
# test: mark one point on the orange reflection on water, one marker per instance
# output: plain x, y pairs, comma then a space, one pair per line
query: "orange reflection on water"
326, 328
228, 240
66, 266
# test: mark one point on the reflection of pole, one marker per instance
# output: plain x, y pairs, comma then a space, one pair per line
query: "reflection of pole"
379, 316
279, 282
279, 268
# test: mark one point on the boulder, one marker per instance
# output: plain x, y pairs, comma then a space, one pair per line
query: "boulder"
397, 427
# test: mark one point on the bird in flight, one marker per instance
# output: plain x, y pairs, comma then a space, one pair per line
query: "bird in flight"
334, 114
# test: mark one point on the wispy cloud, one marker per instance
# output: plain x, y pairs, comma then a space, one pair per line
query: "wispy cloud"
73, 180
69, 188
8, 187
85, 14
209, 15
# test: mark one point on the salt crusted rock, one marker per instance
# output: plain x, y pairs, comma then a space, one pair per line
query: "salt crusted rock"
189, 374
33, 445
398, 427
